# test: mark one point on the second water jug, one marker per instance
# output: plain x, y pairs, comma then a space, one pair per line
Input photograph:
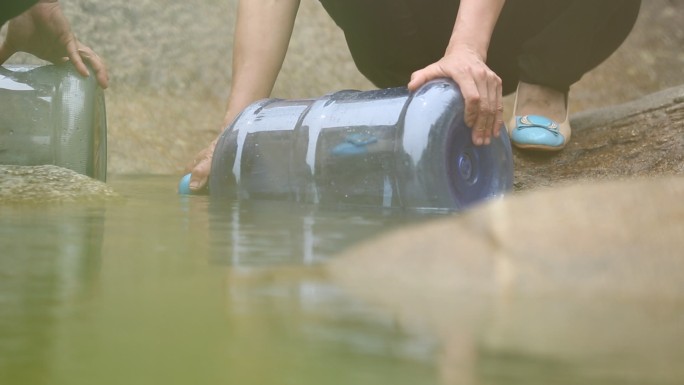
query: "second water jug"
52, 115
384, 148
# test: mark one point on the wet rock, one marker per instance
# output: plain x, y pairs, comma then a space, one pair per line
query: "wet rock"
587, 279
591, 239
50, 184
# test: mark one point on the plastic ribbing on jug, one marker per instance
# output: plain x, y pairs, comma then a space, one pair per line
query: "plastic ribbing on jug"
386, 148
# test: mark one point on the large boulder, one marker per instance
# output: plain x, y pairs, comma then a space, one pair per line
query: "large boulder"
577, 284
613, 239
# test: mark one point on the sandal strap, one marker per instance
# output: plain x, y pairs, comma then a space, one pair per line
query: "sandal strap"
529, 121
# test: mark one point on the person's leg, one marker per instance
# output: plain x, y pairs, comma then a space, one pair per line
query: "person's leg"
546, 42
555, 42
539, 46
582, 35
390, 39
578, 36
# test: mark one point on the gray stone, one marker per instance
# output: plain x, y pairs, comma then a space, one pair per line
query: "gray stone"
587, 278
50, 184
640, 138
589, 239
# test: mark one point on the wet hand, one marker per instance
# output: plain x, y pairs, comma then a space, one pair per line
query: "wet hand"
86, 54
200, 168
480, 86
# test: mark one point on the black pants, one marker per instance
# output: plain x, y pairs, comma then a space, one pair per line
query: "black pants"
11, 8
546, 42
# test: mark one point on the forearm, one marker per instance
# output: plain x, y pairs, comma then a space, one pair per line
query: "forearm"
474, 25
262, 36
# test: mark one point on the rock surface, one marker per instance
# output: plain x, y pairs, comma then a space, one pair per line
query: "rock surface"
50, 184
592, 239
640, 138
586, 278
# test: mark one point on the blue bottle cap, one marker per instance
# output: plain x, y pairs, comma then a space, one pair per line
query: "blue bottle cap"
184, 185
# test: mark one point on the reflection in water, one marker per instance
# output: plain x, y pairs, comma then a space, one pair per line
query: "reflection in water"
294, 326
49, 260
310, 332
266, 233
168, 289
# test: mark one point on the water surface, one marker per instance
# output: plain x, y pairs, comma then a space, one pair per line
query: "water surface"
168, 289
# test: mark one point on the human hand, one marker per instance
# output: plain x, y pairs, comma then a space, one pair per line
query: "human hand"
44, 31
200, 167
480, 87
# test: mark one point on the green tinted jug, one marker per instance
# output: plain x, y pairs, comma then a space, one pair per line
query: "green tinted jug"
52, 115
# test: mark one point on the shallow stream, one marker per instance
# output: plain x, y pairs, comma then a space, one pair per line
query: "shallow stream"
168, 289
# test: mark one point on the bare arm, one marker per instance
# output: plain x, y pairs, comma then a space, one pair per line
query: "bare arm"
464, 62
262, 35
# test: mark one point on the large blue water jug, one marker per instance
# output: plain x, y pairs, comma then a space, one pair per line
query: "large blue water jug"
384, 148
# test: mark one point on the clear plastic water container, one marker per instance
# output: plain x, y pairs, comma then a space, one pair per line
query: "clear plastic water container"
52, 115
383, 148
